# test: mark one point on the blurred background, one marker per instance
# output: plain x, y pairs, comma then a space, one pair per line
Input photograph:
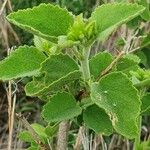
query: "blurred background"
12, 36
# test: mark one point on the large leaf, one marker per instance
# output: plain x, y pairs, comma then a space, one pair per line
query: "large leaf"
45, 20
109, 16
97, 119
24, 61
56, 71
100, 62
146, 105
116, 95
61, 106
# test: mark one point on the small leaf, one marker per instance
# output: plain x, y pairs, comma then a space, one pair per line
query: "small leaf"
24, 61
25, 136
61, 106
110, 16
45, 20
51, 130
146, 105
96, 119
40, 130
100, 62
146, 14
116, 95
56, 71
127, 64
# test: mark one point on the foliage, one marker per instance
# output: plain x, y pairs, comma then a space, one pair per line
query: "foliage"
61, 65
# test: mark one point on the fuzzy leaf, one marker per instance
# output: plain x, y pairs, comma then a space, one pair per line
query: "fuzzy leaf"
146, 105
56, 71
45, 20
96, 119
127, 64
116, 95
100, 62
61, 106
24, 61
110, 16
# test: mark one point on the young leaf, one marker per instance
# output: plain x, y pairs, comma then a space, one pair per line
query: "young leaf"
116, 95
57, 70
97, 119
26, 137
110, 16
45, 20
40, 130
61, 106
100, 62
146, 105
24, 61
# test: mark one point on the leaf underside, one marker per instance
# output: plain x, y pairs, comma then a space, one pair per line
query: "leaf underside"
55, 72
61, 106
96, 119
24, 61
45, 20
116, 95
110, 16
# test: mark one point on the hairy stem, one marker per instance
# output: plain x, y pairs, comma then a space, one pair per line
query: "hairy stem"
138, 138
85, 65
63, 135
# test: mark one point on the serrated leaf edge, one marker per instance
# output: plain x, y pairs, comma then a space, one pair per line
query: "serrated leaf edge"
12, 54
33, 31
66, 109
121, 22
131, 84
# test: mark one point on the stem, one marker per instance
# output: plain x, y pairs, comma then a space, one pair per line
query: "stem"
63, 135
138, 138
143, 83
85, 65
139, 121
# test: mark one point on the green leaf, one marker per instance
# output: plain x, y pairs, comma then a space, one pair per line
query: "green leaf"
24, 61
97, 119
61, 106
144, 145
146, 105
128, 64
100, 62
146, 14
45, 20
117, 96
34, 148
25, 136
110, 16
51, 130
40, 130
56, 71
